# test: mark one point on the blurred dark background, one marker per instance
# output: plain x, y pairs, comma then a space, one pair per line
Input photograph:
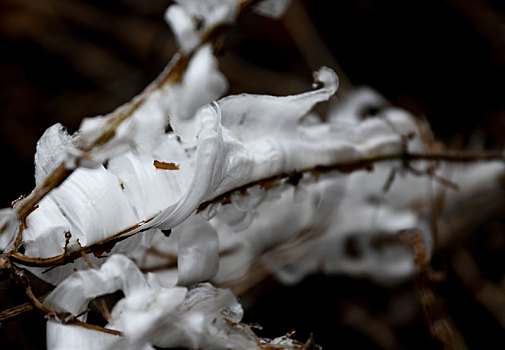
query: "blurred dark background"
62, 61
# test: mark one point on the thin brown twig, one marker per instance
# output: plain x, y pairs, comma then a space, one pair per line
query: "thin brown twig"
367, 164
172, 74
35, 301
434, 311
457, 156
101, 305
19, 277
94, 327
15, 312
225, 198
19, 310
67, 257
85, 258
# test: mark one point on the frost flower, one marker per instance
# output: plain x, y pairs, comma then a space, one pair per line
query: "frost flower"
150, 314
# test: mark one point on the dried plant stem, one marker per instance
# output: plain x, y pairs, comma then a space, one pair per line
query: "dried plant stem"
67, 257
54, 179
366, 164
225, 198
15, 312
67, 318
35, 301
18, 276
456, 156
76, 322
101, 305
172, 74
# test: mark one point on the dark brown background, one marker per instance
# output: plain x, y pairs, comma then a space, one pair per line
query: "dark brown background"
61, 61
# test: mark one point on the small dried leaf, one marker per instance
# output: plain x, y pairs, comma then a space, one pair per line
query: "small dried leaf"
165, 166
